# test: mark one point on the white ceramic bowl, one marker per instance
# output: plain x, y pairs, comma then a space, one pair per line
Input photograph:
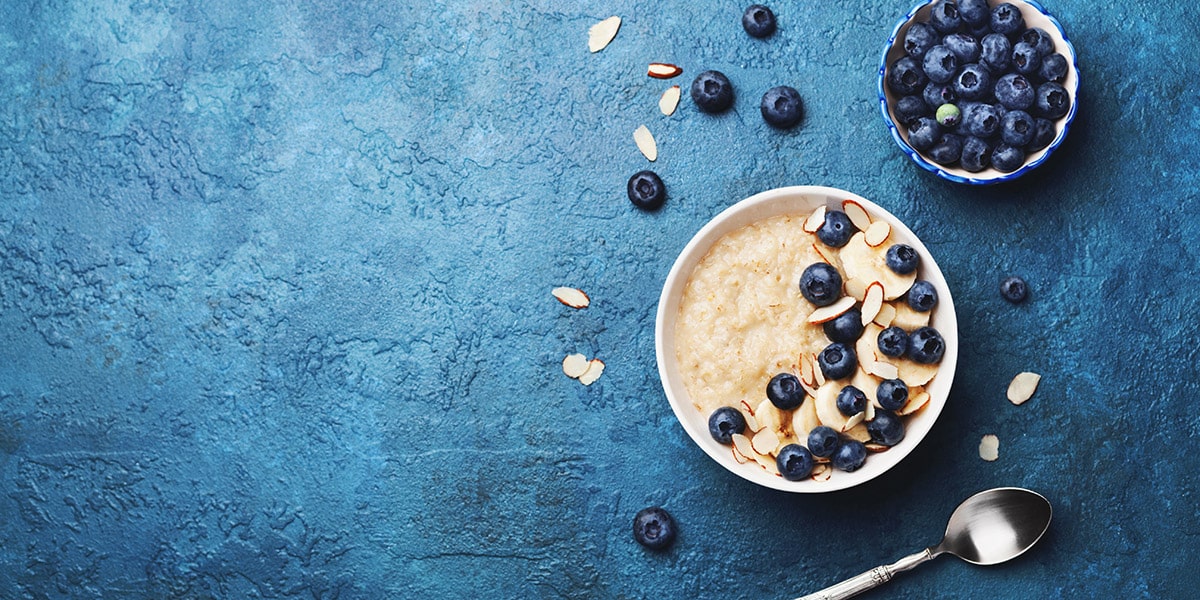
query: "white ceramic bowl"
1035, 16
800, 200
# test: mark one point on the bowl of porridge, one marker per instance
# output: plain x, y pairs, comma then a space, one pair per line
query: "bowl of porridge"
806, 339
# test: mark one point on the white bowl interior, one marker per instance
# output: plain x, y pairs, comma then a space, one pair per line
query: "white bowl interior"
800, 200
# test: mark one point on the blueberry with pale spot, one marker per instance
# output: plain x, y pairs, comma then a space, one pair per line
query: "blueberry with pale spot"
724, 422
795, 462
654, 528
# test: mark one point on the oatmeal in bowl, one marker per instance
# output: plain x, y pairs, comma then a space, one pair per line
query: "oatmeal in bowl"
806, 339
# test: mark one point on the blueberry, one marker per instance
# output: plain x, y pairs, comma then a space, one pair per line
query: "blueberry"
948, 116
1025, 59
781, 107
646, 190
892, 341
823, 441
712, 92
1051, 100
1054, 67
973, 82
1014, 289
849, 456
1014, 91
821, 284
981, 120
892, 394
654, 528
846, 328
837, 361
795, 462
1007, 19
919, 39
1043, 136
924, 133
975, 12
785, 392
886, 428
947, 150
964, 47
1017, 128
836, 230
976, 154
1007, 159
1039, 39
902, 258
995, 52
758, 21
978, 31
910, 108
940, 64
944, 16
922, 296
937, 94
851, 401
926, 346
724, 422
905, 76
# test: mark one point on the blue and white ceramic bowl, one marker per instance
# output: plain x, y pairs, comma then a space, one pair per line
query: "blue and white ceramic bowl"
1035, 16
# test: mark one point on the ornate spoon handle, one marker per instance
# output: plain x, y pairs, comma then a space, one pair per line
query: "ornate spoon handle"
873, 578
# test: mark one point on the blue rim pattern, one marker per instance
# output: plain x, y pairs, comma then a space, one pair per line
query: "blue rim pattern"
934, 168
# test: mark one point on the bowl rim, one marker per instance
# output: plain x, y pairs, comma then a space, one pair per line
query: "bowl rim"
938, 169
796, 200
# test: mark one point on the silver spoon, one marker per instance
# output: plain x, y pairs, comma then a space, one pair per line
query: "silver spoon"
988, 528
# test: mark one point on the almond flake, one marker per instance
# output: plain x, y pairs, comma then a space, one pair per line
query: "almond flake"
824, 254
818, 374
742, 444
854, 420
767, 463
738, 456
916, 401
877, 233
832, 311
669, 101
1022, 387
884, 369
571, 297
989, 447
858, 215
600, 34
815, 220
663, 70
822, 472
872, 302
575, 365
595, 368
765, 441
876, 448
806, 370
887, 314
645, 142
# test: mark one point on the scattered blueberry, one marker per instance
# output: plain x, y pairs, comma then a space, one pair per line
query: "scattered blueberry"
1007, 159
892, 394
836, 230
892, 341
965, 47
724, 422
995, 52
886, 428
919, 39
924, 133
821, 284
911, 108
922, 296
1017, 128
846, 328
654, 528
905, 76
1054, 67
975, 12
646, 190
712, 92
1026, 59
781, 107
973, 82
758, 21
1039, 39
1014, 91
947, 150
837, 361
940, 64
948, 115
1014, 289
823, 441
1007, 19
1043, 136
849, 456
902, 259
944, 16
981, 120
785, 392
926, 346
976, 154
937, 94
851, 401
1051, 100
795, 462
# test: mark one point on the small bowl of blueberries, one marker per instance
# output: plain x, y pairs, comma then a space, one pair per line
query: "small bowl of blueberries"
978, 92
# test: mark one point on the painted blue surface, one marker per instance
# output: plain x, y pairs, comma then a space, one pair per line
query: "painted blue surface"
275, 317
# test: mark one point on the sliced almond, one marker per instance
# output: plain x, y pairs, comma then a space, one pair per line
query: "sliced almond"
877, 233
870, 410
858, 215
868, 384
571, 297
806, 370
669, 100
764, 442
909, 319
1022, 387
600, 34
832, 311
828, 256
752, 423
989, 447
876, 448
815, 220
822, 472
767, 463
595, 368
858, 432
887, 314
741, 443
645, 142
738, 456
854, 421
872, 302
884, 370
916, 401
663, 70
575, 365
915, 374
818, 374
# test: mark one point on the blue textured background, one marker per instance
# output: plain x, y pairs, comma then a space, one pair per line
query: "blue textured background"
275, 317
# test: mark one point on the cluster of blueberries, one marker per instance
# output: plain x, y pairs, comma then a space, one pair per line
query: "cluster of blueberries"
977, 87
821, 285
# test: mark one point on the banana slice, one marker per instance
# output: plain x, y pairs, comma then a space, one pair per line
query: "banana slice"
804, 419
908, 319
863, 264
827, 410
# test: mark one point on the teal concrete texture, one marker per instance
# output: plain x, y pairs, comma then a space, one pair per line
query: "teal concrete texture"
276, 322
